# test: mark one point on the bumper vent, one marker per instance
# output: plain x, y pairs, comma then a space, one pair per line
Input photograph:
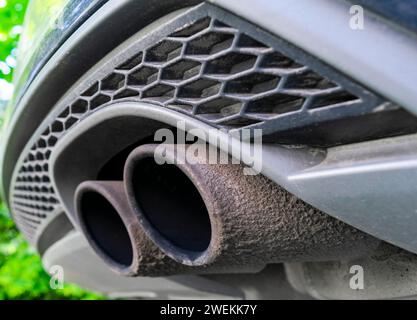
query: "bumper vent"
221, 70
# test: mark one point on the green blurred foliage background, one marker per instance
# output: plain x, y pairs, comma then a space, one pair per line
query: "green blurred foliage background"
21, 272
11, 19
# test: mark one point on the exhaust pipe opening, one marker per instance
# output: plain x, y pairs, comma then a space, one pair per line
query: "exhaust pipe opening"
104, 217
115, 234
106, 228
171, 204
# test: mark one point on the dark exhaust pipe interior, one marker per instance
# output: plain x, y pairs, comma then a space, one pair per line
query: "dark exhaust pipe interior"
106, 228
175, 205
105, 219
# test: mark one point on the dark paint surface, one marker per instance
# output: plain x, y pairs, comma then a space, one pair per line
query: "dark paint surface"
402, 12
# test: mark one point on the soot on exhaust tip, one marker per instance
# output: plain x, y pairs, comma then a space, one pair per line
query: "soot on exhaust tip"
215, 216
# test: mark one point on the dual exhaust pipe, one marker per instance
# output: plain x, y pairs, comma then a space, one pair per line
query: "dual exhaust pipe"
191, 217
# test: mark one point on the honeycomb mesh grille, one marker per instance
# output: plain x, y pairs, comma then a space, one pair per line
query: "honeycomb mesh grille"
221, 76
228, 74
